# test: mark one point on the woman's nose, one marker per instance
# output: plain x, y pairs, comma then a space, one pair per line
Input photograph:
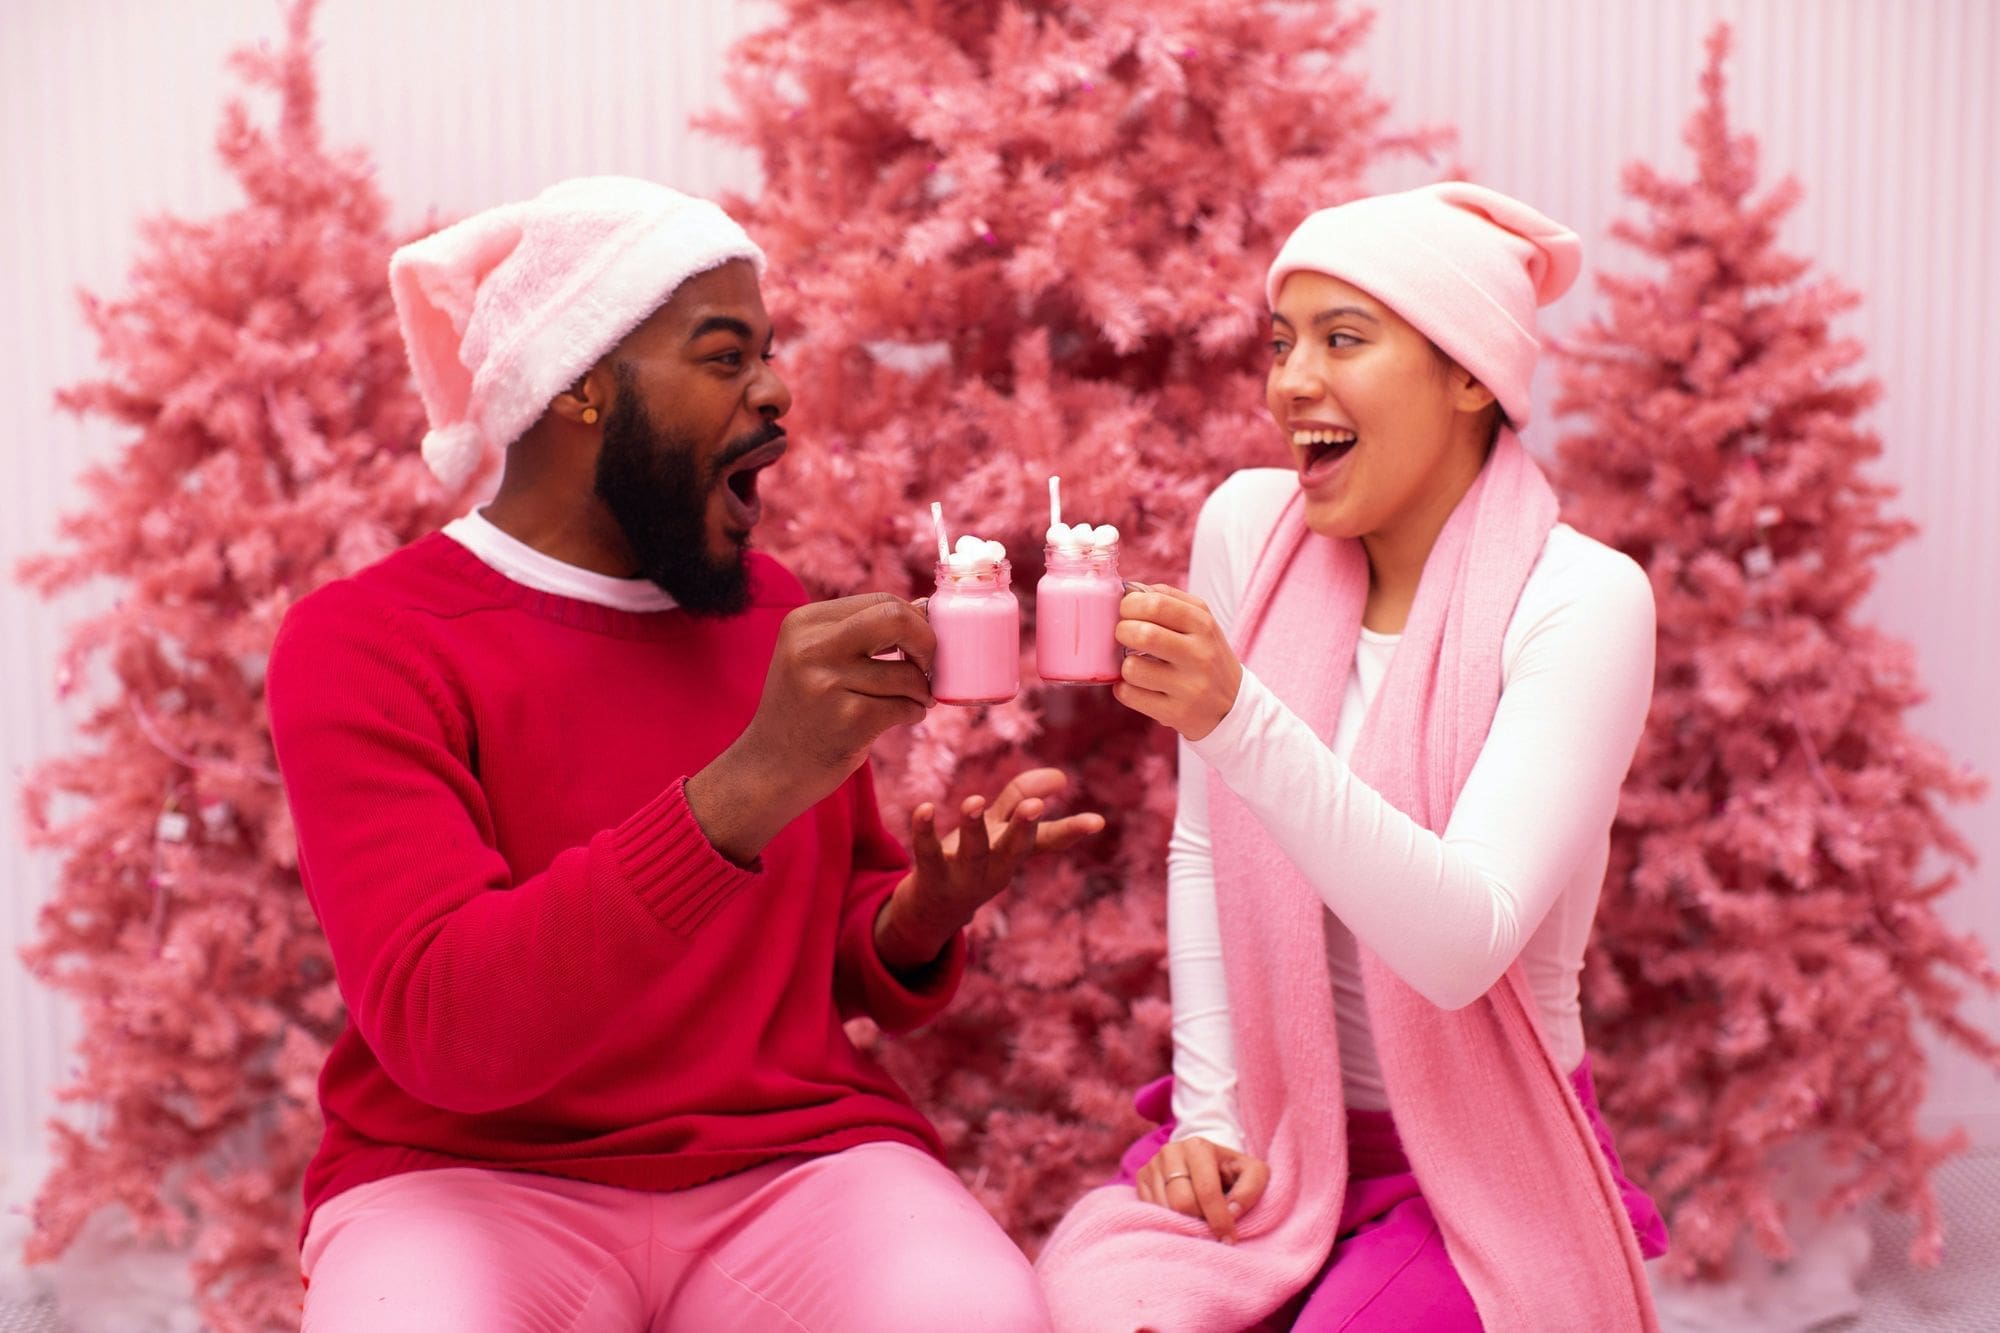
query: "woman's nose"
1296, 378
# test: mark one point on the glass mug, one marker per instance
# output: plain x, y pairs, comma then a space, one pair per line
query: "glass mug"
977, 621
1076, 617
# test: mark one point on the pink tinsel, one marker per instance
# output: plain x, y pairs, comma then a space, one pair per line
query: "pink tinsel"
1767, 943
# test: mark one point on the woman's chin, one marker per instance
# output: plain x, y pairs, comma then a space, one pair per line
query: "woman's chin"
1331, 519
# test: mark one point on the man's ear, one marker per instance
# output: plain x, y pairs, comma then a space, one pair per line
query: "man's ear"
587, 401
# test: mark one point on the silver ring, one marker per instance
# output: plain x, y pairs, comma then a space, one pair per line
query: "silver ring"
1178, 1175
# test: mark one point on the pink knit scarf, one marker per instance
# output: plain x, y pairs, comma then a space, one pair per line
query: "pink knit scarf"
1492, 1128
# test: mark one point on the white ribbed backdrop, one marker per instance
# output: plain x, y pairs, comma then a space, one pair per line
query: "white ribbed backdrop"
1884, 108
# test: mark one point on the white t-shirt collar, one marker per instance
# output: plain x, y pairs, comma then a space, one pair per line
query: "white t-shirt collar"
536, 569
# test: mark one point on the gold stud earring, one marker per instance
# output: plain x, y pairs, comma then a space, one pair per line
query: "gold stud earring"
590, 416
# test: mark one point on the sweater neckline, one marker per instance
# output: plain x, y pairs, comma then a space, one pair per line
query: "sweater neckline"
466, 567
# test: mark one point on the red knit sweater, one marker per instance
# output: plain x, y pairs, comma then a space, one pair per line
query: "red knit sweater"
547, 967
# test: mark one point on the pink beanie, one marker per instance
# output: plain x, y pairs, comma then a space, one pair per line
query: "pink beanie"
1463, 264
507, 308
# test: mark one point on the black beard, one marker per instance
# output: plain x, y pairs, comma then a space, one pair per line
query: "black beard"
648, 480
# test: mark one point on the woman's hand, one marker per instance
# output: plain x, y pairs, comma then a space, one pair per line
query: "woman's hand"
1205, 1180
1181, 671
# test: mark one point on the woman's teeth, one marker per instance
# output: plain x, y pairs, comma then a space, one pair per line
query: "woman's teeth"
1302, 438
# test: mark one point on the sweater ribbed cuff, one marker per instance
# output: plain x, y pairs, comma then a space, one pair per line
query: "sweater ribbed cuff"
898, 1004
671, 864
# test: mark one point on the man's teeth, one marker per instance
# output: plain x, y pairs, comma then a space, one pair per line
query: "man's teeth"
1302, 438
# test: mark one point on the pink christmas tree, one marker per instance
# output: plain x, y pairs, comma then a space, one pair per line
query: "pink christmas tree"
256, 370
1010, 241
1768, 942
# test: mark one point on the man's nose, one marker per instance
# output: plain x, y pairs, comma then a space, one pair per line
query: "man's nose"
771, 396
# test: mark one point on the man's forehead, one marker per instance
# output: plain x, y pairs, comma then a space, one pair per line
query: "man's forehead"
727, 289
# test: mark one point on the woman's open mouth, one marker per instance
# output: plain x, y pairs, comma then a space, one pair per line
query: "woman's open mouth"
1320, 451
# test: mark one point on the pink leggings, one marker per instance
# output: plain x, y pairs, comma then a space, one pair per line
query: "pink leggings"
1389, 1269
879, 1238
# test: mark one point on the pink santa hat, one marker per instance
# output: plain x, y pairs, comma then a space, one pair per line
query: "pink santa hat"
505, 309
1465, 265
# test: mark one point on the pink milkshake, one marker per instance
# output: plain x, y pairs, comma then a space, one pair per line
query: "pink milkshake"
1076, 607
978, 626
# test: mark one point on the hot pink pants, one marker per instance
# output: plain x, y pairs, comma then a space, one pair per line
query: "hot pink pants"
1389, 1270
879, 1238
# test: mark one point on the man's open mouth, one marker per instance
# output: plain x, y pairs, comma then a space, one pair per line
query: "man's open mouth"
739, 482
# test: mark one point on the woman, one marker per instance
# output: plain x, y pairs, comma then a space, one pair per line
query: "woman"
1407, 697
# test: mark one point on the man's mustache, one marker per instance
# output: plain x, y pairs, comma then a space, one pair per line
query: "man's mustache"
735, 449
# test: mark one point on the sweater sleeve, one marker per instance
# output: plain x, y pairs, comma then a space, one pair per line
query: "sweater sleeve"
863, 984
1450, 914
476, 992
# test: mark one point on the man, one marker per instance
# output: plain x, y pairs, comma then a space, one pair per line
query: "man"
583, 807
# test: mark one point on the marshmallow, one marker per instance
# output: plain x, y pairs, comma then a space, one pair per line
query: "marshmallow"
1074, 540
975, 555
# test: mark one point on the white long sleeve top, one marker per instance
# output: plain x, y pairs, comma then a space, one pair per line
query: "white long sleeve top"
1518, 869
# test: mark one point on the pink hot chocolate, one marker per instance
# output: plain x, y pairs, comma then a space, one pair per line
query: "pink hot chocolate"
977, 621
1076, 607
